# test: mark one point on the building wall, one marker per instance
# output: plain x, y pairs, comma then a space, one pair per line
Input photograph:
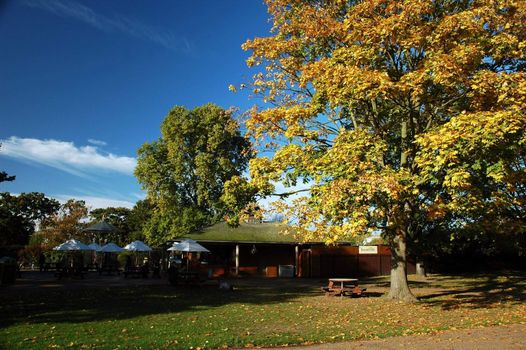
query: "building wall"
263, 261
345, 261
313, 260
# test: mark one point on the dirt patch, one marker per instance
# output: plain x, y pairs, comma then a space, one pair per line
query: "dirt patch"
488, 338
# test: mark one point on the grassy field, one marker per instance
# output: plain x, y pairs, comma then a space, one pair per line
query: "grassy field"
256, 313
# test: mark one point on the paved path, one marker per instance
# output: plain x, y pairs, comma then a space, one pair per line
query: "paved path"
512, 337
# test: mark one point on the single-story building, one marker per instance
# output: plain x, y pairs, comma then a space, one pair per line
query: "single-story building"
259, 249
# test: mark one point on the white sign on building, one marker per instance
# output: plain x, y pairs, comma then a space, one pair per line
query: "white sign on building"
368, 249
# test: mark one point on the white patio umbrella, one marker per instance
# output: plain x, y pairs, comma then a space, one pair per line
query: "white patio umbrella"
108, 262
188, 246
95, 247
111, 248
137, 246
72, 245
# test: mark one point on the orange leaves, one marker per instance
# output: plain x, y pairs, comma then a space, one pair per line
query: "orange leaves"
346, 82
287, 121
372, 23
492, 91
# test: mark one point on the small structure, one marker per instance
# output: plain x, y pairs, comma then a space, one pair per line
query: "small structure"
99, 229
258, 249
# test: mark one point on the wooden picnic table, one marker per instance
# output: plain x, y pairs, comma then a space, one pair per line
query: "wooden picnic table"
347, 286
189, 276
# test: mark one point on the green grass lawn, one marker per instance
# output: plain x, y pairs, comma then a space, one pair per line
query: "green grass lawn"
186, 317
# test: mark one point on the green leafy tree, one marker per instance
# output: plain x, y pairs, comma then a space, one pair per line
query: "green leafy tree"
138, 219
20, 214
184, 171
391, 109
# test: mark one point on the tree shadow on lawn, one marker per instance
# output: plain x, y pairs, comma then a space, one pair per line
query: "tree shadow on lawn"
100, 304
470, 290
484, 291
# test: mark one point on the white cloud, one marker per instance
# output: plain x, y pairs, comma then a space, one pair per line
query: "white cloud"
95, 202
97, 142
66, 156
117, 23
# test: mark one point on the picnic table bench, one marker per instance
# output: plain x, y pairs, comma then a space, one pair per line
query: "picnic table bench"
137, 271
184, 277
109, 270
343, 287
69, 272
51, 266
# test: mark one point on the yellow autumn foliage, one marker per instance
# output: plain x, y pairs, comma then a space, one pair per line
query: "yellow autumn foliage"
389, 109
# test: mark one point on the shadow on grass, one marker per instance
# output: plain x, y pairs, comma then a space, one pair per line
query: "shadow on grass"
479, 291
473, 291
100, 304
78, 305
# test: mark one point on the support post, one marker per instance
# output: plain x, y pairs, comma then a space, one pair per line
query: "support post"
237, 259
296, 260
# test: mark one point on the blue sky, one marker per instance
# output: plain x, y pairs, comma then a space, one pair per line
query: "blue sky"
85, 83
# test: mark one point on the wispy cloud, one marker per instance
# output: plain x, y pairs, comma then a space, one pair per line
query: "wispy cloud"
116, 23
92, 202
66, 156
95, 202
97, 142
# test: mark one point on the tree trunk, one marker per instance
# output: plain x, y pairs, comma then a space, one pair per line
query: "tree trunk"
399, 286
400, 219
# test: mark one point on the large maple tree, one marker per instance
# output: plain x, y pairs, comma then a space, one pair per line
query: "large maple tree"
389, 109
